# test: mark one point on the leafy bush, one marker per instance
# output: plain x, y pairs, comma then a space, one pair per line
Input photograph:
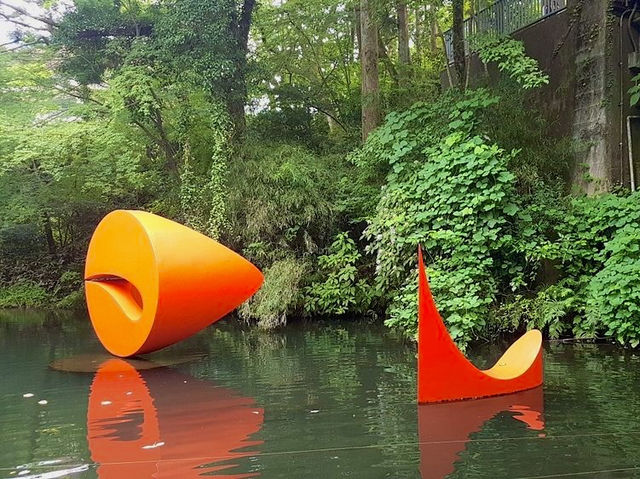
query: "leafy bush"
279, 295
282, 201
24, 294
546, 310
342, 289
613, 295
70, 291
457, 198
594, 247
74, 300
511, 59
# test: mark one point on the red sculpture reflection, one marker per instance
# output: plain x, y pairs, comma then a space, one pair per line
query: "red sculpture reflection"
162, 424
445, 428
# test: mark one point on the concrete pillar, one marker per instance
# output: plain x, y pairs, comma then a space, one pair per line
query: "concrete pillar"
593, 115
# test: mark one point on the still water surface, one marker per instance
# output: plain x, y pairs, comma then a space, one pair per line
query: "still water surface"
317, 400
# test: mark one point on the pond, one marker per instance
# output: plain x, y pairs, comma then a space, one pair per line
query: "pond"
334, 399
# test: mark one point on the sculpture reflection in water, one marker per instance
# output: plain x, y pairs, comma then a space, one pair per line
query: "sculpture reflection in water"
163, 424
445, 428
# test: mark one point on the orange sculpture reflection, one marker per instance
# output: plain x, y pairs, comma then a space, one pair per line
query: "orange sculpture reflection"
151, 282
162, 424
445, 428
445, 374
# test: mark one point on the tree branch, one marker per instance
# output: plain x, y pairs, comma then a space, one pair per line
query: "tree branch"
21, 23
21, 45
9, 43
325, 112
28, 14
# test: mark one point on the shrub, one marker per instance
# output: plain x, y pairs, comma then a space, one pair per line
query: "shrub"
24, 294
282, 201
547, 310
457, 199
341, 288
279, 295
592, 242
613, 295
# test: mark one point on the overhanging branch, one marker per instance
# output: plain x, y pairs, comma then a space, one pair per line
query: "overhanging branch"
26, 13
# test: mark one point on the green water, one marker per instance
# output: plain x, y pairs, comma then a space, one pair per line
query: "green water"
319, 400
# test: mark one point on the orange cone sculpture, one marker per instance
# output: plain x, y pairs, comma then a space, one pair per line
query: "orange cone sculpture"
151, 282
445, 374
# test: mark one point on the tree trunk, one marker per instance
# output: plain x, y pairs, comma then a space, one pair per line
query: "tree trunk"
416, 34
358, 25
236, 100
48, 233
446, 63
237, 94
383, 57
472, 20
403, 32
459, 59
433, 34
369, 66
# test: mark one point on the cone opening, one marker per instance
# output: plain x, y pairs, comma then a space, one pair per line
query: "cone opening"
123, 292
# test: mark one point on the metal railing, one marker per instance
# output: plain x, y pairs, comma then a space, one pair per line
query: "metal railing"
503, 18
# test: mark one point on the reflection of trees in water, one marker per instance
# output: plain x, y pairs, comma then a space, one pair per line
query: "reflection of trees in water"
360, 380
29, 340
590, 391
34, 319
339, 370
340, 362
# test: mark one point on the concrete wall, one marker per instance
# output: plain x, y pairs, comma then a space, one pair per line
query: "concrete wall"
592, 115
585, 55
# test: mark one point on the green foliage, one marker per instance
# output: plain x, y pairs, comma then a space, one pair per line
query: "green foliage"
279, 295
546, 310
341, 289
196, 39
135, 105
634, 91
284, 205
404, 133
217, 192
282, 200
590, 242
451, 191
613, 302
511, 58
70, 290
303, 58
23, 294
402, 313
202, 197
514, 122
74, 301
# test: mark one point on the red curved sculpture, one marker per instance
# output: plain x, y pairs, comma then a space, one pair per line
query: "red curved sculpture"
151, 282
445, 374
162, 424
445, 429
